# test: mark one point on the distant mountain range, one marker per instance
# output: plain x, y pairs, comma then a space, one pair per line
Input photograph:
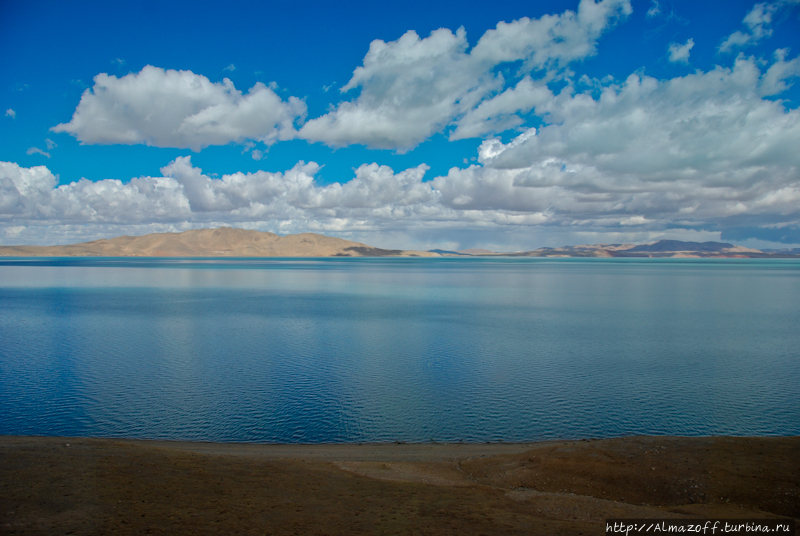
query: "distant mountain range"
662, 248
229, 242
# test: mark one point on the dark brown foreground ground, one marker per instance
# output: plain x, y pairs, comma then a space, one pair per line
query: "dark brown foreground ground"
92, 486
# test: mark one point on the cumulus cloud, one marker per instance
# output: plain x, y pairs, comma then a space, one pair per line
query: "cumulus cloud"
552, 40
410, 89
680, 53
645, 125
32, 196
413, 87
184, 193
696, 149
499, 113
168, 108
632, 160
11, 113
263, 194
701, 152
376, 201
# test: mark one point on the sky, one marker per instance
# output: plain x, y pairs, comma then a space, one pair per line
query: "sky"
500, 125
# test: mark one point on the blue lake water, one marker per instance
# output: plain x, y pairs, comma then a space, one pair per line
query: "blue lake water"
363, 350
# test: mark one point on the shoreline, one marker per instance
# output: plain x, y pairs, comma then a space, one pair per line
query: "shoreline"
124, 486
389, 450
234, 242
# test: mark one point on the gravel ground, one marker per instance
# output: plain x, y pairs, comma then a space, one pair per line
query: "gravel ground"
101, 486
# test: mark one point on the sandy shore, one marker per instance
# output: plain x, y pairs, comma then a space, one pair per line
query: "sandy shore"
100, 486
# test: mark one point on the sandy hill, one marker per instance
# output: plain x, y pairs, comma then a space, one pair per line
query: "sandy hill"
221, 242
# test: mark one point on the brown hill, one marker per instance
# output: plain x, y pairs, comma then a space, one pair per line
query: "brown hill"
221, 242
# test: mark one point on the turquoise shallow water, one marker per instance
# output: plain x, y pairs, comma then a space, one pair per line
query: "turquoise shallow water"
360, 350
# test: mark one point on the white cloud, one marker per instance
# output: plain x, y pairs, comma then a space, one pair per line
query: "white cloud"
377, 205
230, 68
774, 81
167, 108
698, 151
32, 195
701, 148
644, 125
654, 10
680, 53
36, 150
479, 189
184, 193
414, 87
253, 195
410, 89
632, 161
11, 113
552, 40
759, 25
634, 220
376, 187
499, 113
628, 159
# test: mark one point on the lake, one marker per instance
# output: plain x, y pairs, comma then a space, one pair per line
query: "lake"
350, 350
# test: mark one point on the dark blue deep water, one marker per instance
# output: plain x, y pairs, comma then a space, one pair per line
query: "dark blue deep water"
363, 350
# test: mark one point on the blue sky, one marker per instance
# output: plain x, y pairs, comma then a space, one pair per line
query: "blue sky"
507, 125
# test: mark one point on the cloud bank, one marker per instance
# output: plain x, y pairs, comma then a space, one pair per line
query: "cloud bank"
710, 152
703, 152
